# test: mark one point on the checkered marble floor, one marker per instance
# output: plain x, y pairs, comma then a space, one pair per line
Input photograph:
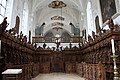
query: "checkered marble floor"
58, 76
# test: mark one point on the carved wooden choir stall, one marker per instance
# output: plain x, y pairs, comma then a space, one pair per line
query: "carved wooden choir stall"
92, 60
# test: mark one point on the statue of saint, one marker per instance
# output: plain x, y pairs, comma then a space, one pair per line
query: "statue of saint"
70, 45
4, 24
29, 37
111, 24
44, 45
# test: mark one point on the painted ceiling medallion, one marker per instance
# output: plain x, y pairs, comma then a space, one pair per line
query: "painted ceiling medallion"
57, 18
57, 4
57, 28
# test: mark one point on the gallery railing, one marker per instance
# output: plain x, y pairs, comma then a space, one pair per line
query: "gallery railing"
41, 39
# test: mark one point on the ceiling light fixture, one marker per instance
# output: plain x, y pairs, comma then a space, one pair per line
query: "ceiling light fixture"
57, 5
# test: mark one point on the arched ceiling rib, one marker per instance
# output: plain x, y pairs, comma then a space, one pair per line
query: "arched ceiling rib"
66, 12
70, 3
47, 18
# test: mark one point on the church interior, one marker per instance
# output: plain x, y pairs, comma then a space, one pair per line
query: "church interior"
70, 39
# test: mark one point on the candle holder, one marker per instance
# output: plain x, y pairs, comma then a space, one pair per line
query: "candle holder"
115, 68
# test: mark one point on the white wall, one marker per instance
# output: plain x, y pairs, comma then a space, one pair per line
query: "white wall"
17, 10
9, 12
96, 11
15, 7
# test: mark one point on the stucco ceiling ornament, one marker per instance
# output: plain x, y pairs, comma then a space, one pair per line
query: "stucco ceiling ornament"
57, 4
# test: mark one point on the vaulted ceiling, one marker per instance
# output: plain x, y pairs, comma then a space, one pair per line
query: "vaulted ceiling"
71, 13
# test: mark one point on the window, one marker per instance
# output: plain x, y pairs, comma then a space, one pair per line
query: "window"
2, 9
97, 24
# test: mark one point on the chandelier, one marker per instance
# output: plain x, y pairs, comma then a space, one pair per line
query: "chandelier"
57, 4
57, 18
57, 28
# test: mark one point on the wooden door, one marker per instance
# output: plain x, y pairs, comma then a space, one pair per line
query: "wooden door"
57, 63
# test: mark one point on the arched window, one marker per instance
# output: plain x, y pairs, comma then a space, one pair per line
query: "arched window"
89, 18
2, 9
97, 24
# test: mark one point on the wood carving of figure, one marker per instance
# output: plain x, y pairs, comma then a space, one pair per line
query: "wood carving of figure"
44, 45
80, 45
4, 24
18, 36
103, 31
61, 48
35, 45
12, 31
25, 39
29, 37
93, 34
111, 24
70, 45
90, 38
58, 44
21, 35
